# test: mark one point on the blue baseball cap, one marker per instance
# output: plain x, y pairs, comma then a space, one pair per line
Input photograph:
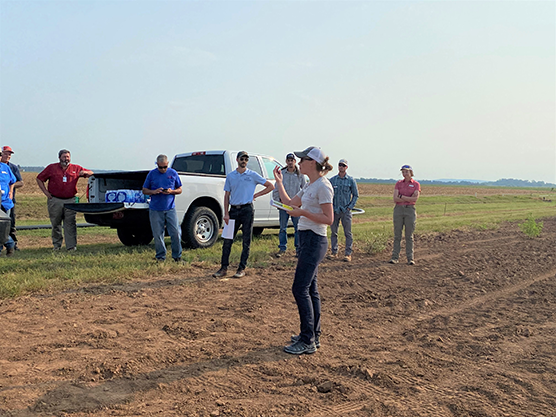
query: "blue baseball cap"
290, 156
406, 167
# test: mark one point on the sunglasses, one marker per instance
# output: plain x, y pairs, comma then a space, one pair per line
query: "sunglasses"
342, 165
244, 158
164, 167
306, 158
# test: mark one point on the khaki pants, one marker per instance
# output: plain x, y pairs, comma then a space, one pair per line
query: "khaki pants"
404, 216
59, 214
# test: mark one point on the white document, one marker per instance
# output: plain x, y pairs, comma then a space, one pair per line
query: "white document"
228, 231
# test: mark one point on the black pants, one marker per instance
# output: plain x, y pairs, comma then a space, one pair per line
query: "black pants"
13, 229
243, 217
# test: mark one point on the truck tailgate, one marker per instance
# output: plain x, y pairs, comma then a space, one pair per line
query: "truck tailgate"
104, 208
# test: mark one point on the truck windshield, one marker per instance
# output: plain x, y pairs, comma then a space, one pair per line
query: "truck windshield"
200, 164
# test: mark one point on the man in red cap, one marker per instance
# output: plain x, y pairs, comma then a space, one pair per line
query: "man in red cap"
62, 180
5, 158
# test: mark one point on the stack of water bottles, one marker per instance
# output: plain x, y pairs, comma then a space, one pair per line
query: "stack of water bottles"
125, 196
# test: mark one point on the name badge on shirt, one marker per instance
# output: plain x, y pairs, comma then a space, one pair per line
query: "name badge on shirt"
411, 185
65, 179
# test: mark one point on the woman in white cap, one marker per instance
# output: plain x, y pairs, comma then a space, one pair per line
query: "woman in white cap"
313, 204
406, 193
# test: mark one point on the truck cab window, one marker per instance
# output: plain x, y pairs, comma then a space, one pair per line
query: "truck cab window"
253, 165
269, 164
200, 164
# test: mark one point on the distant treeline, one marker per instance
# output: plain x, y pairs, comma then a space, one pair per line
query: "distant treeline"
31, 169
504, 182
39, 169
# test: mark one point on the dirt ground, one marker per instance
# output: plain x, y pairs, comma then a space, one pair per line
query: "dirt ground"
469, 331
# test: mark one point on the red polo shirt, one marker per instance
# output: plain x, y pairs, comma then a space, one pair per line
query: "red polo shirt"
407, 189
61, 183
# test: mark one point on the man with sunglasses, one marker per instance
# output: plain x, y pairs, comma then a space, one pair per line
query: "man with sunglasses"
345, 197
239, 193
163, 184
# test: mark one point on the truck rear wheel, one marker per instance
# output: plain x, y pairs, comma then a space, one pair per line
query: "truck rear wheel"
200, 228
257, 231
135, 237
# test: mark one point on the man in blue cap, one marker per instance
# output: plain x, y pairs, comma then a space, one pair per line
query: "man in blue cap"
293, 181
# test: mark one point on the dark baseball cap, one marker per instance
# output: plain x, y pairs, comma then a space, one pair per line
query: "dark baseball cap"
290, 156
241, 154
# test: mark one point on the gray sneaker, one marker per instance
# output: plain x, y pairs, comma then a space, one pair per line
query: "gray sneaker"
297, 338
411, 262
299, 348
239, 274
393, 261
281, 253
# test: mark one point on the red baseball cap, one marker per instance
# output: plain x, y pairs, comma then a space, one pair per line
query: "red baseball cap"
7, 149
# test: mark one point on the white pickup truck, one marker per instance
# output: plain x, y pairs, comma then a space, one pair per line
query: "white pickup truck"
200, 207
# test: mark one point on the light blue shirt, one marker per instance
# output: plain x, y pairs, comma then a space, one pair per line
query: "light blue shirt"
242, 186
345, 193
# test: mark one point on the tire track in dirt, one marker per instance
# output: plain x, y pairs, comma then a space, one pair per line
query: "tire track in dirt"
423, 393
74, 396
466, 305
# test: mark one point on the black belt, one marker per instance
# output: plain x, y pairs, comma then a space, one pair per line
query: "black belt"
242, 205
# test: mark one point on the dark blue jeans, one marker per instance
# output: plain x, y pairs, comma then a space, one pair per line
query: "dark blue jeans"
283, 235
312, 249
243, 216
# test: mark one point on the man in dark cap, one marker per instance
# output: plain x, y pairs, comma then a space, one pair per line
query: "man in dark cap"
239, 193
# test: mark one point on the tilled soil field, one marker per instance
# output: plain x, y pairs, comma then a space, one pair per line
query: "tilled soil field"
469, 331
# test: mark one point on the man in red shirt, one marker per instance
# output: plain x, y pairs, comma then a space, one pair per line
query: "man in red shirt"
62, 180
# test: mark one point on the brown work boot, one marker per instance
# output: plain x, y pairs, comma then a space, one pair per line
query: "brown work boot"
220, 273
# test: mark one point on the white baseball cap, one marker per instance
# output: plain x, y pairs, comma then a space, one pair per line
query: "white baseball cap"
312, 152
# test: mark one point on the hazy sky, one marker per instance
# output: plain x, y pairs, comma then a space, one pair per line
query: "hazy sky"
457, 89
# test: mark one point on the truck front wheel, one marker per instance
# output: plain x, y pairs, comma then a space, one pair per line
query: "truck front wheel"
200, 228
135, 237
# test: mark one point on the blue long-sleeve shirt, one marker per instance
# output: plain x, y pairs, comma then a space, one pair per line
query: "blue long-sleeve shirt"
345, 193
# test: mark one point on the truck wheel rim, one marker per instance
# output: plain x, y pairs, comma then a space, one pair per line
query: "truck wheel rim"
204, 229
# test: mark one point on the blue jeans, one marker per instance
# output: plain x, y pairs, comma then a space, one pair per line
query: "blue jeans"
168, 218
9, 244
283, 235
312, 249
345, 217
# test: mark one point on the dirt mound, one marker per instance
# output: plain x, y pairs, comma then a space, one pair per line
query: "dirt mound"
468, 331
